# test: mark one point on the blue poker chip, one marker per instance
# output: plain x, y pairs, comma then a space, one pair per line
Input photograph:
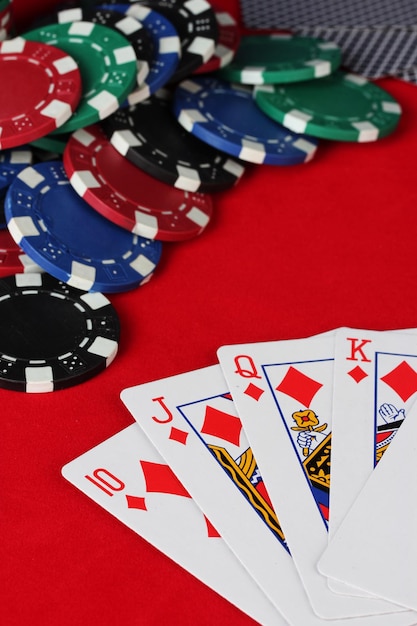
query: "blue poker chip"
69, 239
11, 163
167, 48
226, 117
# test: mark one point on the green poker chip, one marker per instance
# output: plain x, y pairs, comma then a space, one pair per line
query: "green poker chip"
4, 4
281, 58
52, 143
107, 63
342, 106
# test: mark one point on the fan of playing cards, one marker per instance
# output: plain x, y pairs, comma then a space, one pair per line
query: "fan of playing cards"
228, 472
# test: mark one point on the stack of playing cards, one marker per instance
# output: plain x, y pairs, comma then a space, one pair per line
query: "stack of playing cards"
228, 472
378, 37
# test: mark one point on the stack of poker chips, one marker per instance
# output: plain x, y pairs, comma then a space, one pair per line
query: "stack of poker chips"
127, 119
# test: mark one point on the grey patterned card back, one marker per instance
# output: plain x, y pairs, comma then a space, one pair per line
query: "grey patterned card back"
297, 13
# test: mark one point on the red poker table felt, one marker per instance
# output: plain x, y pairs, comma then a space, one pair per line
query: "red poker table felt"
290, 252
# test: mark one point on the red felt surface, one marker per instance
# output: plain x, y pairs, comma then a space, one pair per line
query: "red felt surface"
290, 252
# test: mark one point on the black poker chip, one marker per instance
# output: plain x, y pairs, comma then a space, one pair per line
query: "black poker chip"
149, 135
2, 216
53, 336
138, 36
196, 25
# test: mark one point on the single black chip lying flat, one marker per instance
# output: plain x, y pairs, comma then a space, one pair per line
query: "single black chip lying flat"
52, 336
149, 135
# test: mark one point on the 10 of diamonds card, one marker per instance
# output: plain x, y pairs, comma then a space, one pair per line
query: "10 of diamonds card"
129, 479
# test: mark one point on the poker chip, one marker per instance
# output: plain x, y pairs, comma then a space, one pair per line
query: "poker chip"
131, 29
195, 22
3, 224
12, 258
281, 58
70, 240
342, 106
11, 163
167, 49
52, 143
45, 95
107, 64
150, 137
41, 155
129, 197
226, 117
53, 336
227, 44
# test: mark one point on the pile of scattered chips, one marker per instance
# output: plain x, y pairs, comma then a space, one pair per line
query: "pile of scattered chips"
299, 85
134, 122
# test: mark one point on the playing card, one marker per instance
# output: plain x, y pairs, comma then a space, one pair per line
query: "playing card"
409, 75
283, 393
375, 384
371, 52
376, 542
367, 412
127, 477
282, 14
377, 37
192, 421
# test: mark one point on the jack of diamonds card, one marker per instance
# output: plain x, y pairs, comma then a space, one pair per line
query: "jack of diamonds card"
283, 393
127, 477
192, 421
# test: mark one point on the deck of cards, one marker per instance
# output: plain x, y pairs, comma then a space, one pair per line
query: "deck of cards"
283, 477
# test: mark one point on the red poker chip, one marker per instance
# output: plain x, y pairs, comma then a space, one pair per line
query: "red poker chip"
12, 258
40, 89
227, 45
127, 196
